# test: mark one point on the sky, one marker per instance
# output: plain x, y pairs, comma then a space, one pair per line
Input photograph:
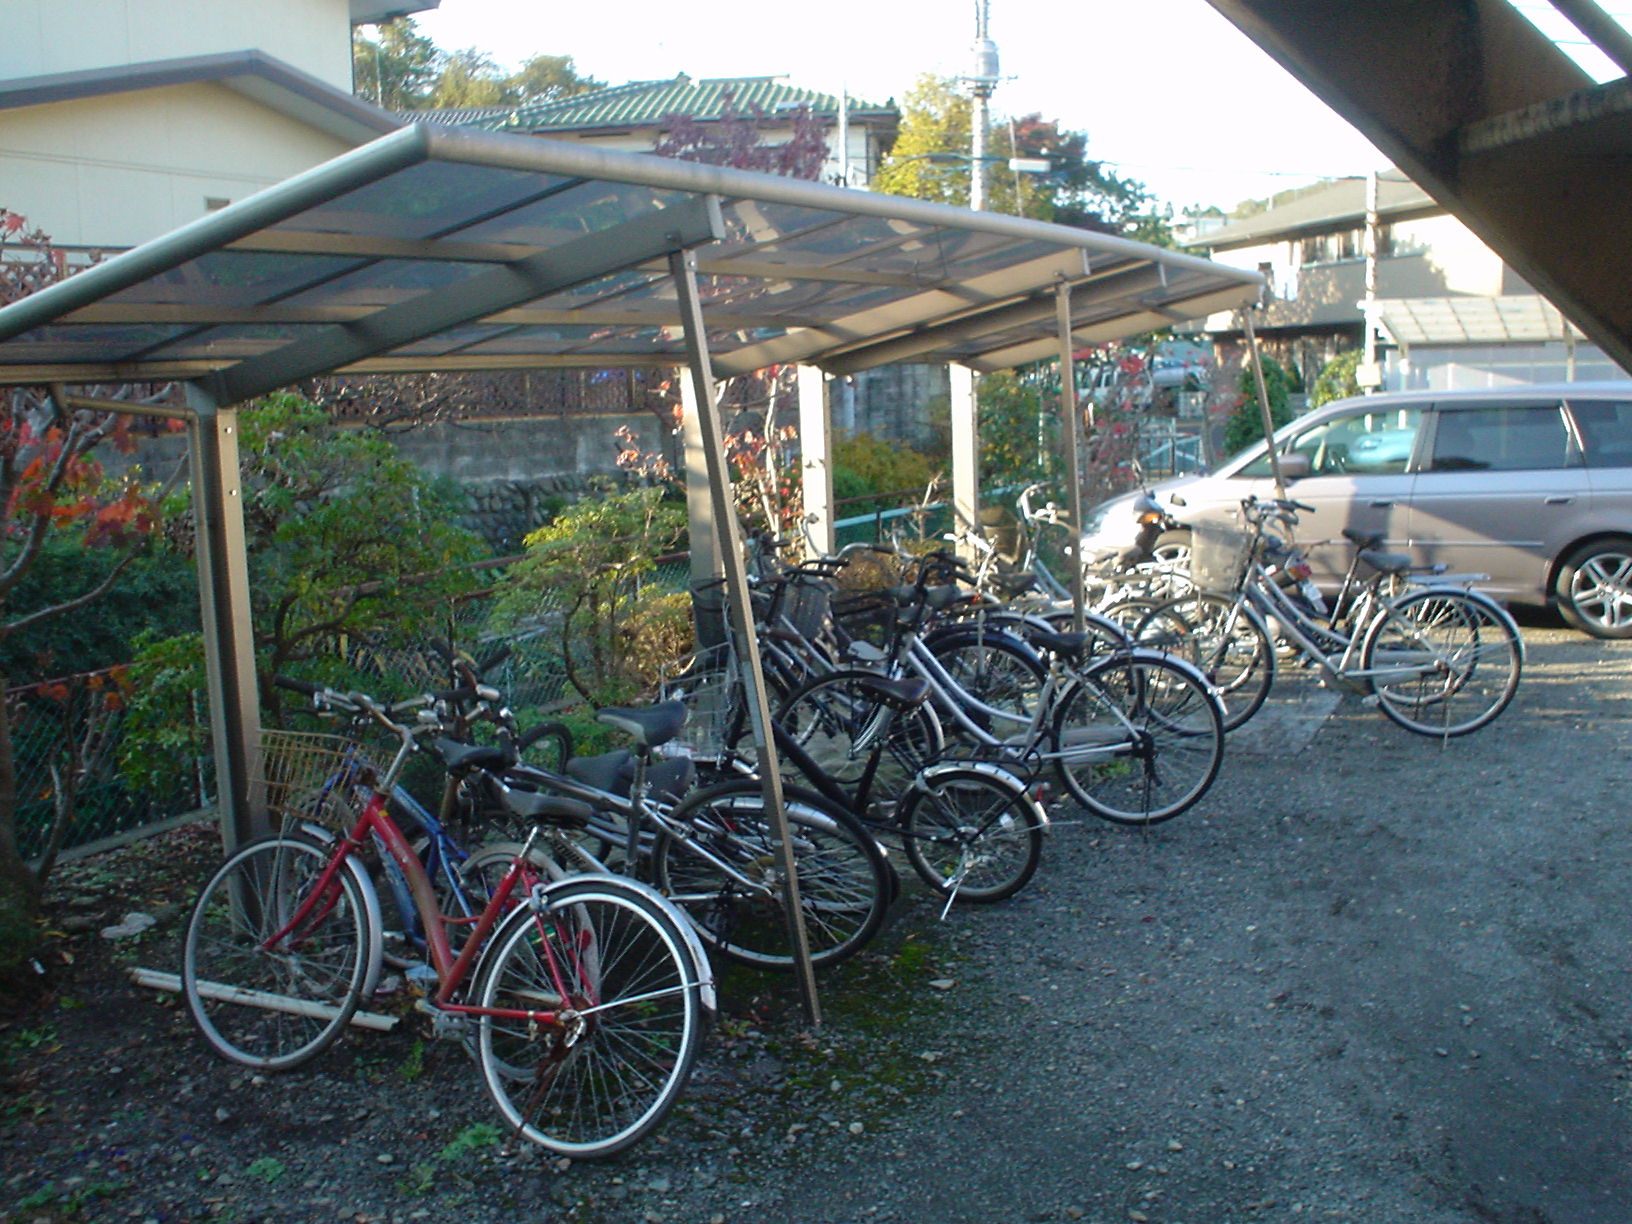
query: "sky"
1169, 92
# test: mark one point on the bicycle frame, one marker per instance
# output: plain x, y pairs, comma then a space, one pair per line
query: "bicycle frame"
452, 969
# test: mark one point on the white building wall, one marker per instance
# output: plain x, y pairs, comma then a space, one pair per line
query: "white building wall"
43, 37
1467, 265
119, 170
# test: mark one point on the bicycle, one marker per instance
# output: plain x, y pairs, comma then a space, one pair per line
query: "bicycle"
971, 830
711, 851
1136, 737
582, 998
1437, 658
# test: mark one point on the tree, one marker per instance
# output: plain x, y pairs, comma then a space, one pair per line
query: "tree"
348, 544
737, 139
1337, 380
469, 78
398, 68
1246, 423
930, 161
402, 70
544, 78
53, 496
592, 563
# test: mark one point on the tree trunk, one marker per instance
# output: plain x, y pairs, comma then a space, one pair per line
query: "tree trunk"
19, 888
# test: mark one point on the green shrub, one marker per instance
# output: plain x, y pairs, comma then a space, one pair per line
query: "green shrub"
1246, 424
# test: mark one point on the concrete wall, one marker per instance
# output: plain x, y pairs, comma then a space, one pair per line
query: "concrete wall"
43, 37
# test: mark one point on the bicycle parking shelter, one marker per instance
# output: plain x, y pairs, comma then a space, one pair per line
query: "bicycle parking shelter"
447, 250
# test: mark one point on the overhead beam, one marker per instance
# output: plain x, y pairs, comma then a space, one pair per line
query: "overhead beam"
691, 222
1435, 85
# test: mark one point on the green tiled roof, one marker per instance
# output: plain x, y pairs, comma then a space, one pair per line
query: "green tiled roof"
649, 102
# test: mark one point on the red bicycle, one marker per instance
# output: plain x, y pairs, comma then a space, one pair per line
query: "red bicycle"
582, 996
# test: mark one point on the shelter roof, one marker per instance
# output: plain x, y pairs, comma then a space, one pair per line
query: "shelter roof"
1472, 320
435, 248
1336, 204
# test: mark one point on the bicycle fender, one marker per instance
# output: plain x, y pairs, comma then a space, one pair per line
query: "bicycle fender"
1006, 777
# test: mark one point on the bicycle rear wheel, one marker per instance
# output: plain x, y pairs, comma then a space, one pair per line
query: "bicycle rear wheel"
971, 832
1226, 640
838, 719
739, 909
614, 1003
1442, 662
1139, 739
273, 1005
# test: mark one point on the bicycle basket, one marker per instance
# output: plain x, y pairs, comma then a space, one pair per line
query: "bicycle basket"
1218, 555
709, 685
306, 776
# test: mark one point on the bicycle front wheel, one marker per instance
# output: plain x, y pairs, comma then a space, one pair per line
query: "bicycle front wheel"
273, 967
1139, 739
1442, 661
972, 833
727, 876
603, 1016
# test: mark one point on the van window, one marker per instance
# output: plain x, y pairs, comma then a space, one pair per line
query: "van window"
1606, 431
1509, 438
1371, 442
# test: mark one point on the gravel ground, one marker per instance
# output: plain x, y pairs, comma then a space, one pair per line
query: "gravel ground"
1368, 978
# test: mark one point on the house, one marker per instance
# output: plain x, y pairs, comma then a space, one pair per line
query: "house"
123, 119
632, 118
1448, 312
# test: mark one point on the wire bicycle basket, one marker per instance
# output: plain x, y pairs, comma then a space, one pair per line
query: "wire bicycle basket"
709, 685
305, 776
1219, 554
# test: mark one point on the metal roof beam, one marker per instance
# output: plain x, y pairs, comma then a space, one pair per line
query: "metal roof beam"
378, 246
689, 223
1451, 91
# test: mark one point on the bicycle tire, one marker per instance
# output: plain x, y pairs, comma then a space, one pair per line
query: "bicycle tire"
1139, 738
228, 976
1461, 655
844, 881
1226, 640
836, 720
607, 1081
971, 832
992, 665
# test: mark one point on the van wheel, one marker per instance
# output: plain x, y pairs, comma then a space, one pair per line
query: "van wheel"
1594, 588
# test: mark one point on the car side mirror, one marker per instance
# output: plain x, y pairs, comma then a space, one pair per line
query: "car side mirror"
1295, 465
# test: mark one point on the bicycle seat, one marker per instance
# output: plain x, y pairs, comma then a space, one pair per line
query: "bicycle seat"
650, 725
613, 772
548, 809
459, 757
1388, 563
1014, 584
1363, 539
1072, 647
897, 694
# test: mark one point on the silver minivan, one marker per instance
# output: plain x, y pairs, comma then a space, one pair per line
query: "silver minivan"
1531, 485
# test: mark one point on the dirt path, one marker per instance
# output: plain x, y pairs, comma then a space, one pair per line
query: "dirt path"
1372, 980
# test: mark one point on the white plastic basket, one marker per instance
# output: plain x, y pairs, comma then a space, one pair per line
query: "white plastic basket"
1218, 555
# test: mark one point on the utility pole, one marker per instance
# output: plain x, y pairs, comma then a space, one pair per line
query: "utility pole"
981, 84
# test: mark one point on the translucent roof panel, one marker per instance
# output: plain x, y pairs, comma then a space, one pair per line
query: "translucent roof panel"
436, 248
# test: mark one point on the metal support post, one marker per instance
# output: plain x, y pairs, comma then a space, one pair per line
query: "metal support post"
1070, 431
683, 268
1263, 403
816, 460
705, 549
965, 423
223, 586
